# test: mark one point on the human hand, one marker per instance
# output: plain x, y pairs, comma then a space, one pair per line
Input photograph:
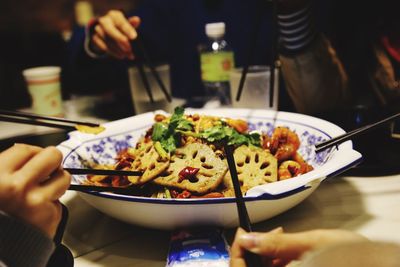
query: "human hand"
31, 182
278, 248
113, 33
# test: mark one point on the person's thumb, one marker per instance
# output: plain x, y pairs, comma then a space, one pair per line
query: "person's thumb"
134, 21
255, 243
258, 242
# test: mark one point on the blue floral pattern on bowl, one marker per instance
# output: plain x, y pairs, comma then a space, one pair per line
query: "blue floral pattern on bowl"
104, 150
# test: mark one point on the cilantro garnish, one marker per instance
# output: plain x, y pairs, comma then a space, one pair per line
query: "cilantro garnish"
233, 137
168, 134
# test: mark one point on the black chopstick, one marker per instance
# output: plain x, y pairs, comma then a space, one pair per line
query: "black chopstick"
138, 45
35, 116
145, 81
103, 172
252, 46
37, 122
274, 55
130, 190
244, 220
347, 136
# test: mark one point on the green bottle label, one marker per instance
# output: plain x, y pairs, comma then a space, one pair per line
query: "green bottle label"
215, 67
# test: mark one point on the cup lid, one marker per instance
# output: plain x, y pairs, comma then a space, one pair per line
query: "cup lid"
41, 72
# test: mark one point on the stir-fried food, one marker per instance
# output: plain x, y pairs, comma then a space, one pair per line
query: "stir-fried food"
182, 156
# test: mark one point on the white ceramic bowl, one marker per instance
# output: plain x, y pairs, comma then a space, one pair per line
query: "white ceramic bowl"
262, 202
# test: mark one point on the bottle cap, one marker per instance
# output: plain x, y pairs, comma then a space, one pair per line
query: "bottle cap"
215, 29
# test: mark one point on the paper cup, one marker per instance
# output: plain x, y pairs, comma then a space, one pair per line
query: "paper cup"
45, 90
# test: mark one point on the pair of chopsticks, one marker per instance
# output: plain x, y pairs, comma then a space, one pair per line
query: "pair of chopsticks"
274, 55
34, 119
93, 188
142, 56
129, 190
347, 136
244, 220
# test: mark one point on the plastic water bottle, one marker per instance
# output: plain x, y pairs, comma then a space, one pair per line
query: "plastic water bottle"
216, 60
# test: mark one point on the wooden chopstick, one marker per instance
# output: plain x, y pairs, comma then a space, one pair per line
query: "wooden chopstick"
37, 122
347, 136
244, 220
130, 190
35, 116
103, 172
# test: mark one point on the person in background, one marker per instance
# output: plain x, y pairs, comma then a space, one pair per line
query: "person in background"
311, 88
330, 60
172, 32
31, 183
362, 44
315, 248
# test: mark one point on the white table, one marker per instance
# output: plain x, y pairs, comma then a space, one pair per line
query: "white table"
369, 206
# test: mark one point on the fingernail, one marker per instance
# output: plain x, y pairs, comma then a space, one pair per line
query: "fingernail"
249, 240
277, 230
132, 35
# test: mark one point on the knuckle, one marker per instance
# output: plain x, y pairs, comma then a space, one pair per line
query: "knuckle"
14, 188
25, 148
115, 13
103, 20
55, 153
34, 199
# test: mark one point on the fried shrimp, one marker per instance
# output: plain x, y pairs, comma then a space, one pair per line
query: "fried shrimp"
288, 169
284, 143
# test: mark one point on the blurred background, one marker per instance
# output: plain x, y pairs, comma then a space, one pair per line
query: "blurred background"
40, 33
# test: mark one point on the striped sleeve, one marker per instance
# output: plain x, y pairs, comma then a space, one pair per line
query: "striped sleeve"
296, 28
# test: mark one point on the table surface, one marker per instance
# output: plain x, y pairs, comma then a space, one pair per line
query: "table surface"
366, 205
369, 206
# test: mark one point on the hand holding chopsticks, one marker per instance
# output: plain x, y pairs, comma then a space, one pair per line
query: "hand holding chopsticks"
347, 136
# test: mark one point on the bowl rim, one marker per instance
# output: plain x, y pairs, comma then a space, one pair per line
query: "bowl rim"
302, 183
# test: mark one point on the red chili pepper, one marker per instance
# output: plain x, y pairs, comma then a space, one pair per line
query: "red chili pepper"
184, 194
187, 173
174, 193
294, 170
